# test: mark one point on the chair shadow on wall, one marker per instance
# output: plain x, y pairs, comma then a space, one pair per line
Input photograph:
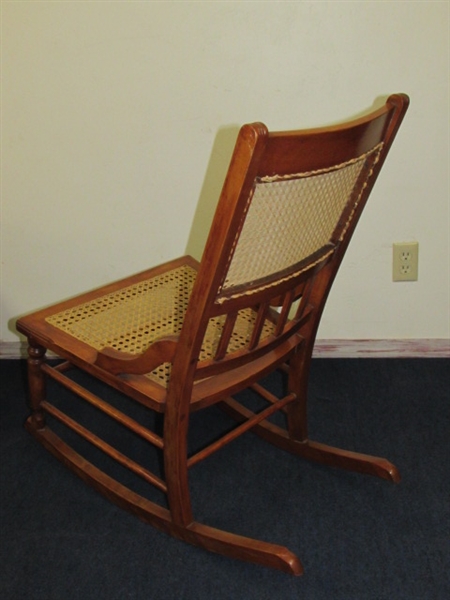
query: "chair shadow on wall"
215, 174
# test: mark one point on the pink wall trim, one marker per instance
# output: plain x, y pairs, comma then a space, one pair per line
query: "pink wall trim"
422, 348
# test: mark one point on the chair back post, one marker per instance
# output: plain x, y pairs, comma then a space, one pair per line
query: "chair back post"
392, 115
237, 186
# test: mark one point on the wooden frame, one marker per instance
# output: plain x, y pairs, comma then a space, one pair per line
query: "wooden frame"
283, 309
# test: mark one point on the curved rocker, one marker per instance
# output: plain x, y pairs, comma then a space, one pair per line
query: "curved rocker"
197, 534
315, 451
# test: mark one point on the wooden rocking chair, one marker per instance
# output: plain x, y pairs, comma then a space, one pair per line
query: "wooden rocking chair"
185, 335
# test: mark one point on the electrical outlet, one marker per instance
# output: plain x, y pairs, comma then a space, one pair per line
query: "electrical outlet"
405, 261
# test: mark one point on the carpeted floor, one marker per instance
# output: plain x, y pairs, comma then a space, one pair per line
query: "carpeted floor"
358, 537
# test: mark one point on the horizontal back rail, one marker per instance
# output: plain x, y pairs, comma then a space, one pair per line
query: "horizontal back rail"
239, 358
322, 147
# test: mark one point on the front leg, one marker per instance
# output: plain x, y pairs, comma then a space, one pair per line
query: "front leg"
36, 384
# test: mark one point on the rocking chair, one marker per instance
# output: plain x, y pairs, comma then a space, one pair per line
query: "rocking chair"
184, 335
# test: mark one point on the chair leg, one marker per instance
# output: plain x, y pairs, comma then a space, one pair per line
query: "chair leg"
175, 464
295, 439
297, 415
184, 527
299, 369
36, 383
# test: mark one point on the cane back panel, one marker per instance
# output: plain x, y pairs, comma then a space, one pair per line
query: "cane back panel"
290, 219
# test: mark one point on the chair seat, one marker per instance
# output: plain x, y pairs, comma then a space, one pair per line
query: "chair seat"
139, 312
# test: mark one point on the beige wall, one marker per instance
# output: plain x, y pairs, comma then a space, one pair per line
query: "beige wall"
119, 119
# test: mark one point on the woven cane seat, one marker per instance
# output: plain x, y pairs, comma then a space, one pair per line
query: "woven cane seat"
131, 319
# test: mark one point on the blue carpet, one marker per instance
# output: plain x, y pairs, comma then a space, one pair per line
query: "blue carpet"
358, 537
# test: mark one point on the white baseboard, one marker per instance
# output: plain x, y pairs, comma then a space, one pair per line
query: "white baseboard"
421, 348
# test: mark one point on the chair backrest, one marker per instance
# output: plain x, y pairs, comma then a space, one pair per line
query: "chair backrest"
289, 205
